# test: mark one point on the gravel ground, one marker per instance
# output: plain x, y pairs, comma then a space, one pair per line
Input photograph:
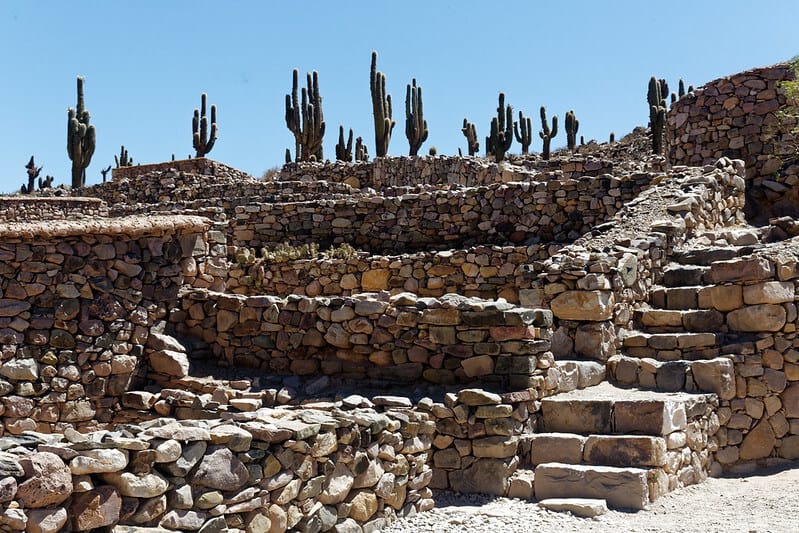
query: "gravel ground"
767, 501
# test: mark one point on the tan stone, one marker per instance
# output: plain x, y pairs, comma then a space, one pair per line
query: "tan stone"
556, 448
620, 487
770, 292
481, 365
758, 443
583, 305
763, 317
363, 504
625, 450
375, 280
721, 297
716, 375
741, 269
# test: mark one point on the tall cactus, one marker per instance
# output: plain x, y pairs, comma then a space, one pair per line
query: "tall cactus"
381, 108
304, 117
572, 125
501, 136
81, 139
469, 130
415, 124
524, 132
199, 126
657, 114
546, 133
105, 172
344, 150
361, 151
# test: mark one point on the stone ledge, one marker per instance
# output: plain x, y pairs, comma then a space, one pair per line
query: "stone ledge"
133, 226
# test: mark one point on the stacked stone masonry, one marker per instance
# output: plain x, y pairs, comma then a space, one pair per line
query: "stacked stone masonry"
402, 337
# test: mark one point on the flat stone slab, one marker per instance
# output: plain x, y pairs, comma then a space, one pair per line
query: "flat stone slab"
625, 450
583, 507
624, 488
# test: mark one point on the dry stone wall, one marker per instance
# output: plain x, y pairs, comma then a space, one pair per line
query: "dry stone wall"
487, 272
269, 470
27, 208
78, 300
401, 338
501, 213
741, 117
593, 285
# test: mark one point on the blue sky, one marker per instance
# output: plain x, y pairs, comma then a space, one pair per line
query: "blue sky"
147, 62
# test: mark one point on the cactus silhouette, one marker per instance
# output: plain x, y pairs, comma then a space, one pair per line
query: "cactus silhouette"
657, 113
81, 139
122, 160
501, 136
572, 125
524, 132
361, 151
469, 130
304, 117
415, 124
344, 150
33, 173
203, 143
546, 133
381, 108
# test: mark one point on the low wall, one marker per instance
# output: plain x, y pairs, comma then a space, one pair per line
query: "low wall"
77, 302
33, 208
503, 213
272, 470
383, 172
401, 338
487, 272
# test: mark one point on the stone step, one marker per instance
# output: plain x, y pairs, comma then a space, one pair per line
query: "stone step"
677, 320
671, 341
707, 255
606, 409
582, 507
622, 488
608, 450
677, 275
712, 375
683, 298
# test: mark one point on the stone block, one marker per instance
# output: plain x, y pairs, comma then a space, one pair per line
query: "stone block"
715, 375
556, 448
721, 297
763, 317
576, 416
582, 507
741, 269
484, 476
621, 487
625, 450
649, 417
769, 292
596, 340
583, 305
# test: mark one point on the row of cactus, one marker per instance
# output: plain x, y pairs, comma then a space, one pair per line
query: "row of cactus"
82, 139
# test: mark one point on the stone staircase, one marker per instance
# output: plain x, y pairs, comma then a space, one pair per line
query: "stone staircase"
625, 446
683, 341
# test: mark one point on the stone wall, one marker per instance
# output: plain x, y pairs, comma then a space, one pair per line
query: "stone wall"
740, 117
488, 272
384, 172
32, 208
77, 302
400, 338
593, 285
269, 470
501, 213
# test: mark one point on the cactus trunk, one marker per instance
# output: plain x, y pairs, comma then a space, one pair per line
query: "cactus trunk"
381, 108
415, 124
81, 139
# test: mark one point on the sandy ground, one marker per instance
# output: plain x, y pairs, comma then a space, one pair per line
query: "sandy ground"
766, 501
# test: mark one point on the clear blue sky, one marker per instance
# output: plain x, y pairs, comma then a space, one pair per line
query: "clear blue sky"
146, 63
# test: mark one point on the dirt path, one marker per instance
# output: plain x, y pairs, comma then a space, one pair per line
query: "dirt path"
767, 501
